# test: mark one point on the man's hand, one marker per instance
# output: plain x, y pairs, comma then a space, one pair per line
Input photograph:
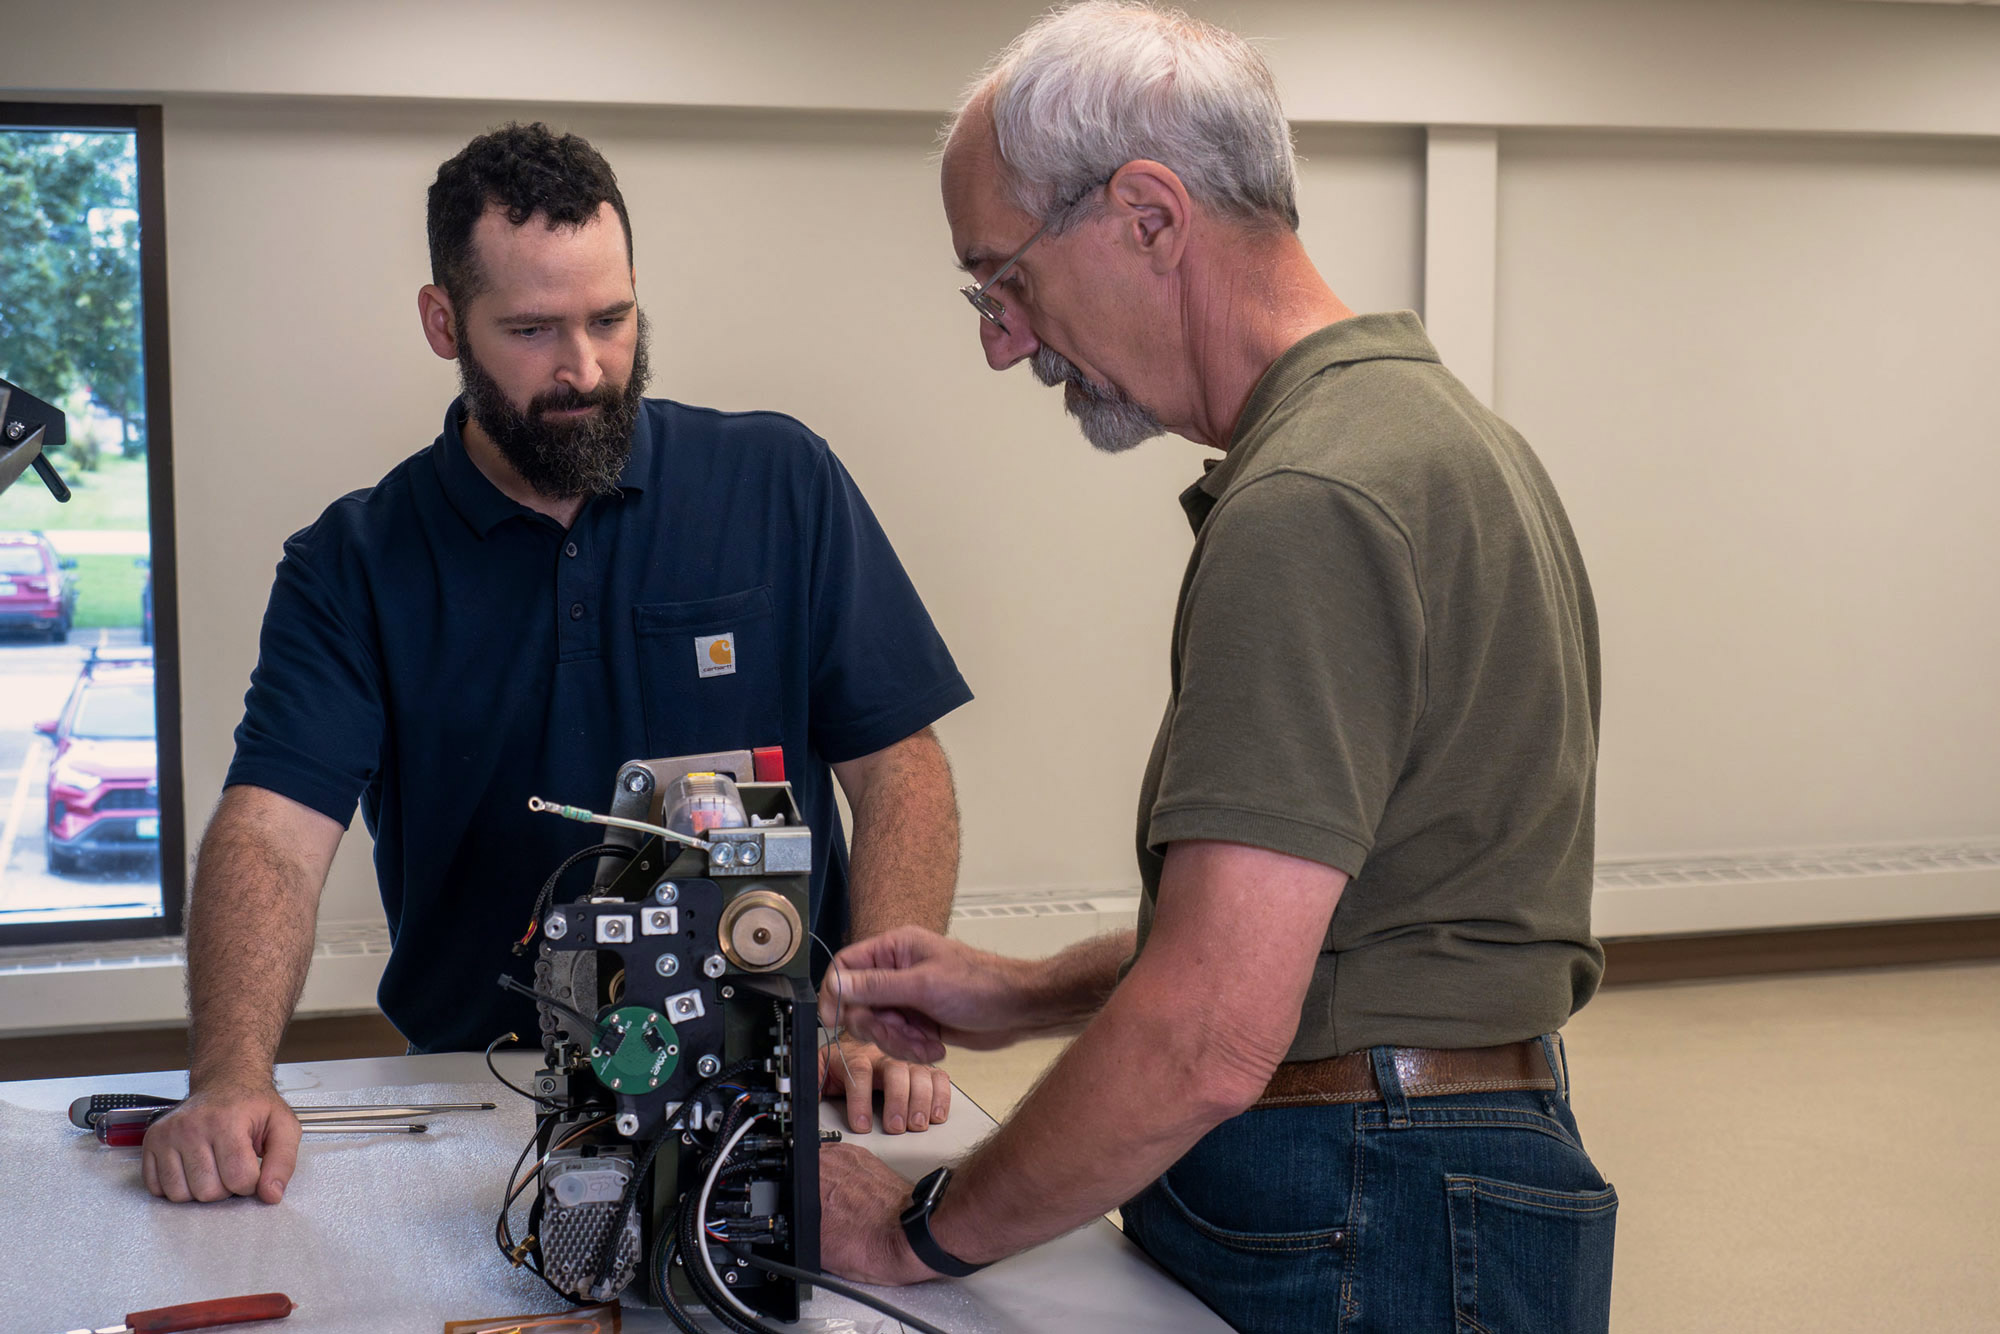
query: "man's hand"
913, 1096
861, 1202
208, 1147
911, 991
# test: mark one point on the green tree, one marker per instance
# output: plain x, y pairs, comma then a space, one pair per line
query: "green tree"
70, 314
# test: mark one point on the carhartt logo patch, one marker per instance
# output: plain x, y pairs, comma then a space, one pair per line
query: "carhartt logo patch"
715, 655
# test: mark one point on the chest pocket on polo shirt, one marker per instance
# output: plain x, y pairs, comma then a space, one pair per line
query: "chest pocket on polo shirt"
708, 673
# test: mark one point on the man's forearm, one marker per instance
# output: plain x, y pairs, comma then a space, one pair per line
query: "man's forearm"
1062, 993
905, 849
1124, 1102
250, 941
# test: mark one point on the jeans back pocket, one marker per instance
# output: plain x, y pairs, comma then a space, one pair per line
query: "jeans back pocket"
1530, 1260
1266, 1282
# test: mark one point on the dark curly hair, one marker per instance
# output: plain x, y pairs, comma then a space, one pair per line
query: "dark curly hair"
526, 170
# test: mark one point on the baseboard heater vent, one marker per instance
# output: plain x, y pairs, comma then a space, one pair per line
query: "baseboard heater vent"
1807, 864
336, 939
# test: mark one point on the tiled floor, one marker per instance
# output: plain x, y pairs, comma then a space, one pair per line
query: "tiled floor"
1808, 1153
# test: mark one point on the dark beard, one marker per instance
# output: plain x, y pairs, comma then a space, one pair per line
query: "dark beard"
559, 460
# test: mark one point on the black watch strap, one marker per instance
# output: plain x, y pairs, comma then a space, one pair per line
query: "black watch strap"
917, 1227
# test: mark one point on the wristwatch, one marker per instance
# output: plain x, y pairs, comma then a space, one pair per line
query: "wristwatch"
917, 1227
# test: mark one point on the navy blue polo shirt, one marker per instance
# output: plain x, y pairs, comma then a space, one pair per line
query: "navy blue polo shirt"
441, 653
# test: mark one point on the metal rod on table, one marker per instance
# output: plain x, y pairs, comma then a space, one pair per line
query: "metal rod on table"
364, 1111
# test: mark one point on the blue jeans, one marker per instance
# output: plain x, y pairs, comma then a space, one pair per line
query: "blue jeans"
1477, 1213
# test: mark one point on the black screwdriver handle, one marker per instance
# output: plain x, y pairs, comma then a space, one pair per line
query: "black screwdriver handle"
84, 1112
50, 478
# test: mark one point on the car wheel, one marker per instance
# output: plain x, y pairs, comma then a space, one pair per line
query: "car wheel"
63, 862
59, 632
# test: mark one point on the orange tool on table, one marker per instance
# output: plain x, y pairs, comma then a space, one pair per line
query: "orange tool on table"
201, 1315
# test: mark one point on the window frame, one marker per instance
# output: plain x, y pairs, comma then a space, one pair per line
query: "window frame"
145, 121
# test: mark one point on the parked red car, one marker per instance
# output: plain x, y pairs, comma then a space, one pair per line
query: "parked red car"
37, 591
104, 783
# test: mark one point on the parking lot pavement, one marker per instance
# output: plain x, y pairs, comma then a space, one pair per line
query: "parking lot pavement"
37, 679
25, 654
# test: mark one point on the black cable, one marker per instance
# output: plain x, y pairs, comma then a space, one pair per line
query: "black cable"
700, 1092
607, 1250
548, 889
502, 1233
508, 982
514, 1037
659, 1277
663, 1286
848, 1290
718, 1302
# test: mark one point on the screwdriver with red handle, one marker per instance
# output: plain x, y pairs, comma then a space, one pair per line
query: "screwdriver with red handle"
87, 1111
202, 1315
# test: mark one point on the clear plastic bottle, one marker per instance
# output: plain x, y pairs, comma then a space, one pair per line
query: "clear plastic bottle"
697, 803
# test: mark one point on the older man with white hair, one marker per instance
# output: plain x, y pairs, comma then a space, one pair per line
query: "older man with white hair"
1323, 1079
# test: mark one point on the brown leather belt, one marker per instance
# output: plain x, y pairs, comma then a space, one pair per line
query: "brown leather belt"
1425, 1072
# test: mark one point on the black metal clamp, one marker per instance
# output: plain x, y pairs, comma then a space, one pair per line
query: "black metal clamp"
29, 430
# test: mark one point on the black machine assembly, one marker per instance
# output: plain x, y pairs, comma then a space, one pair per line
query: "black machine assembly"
677, 1134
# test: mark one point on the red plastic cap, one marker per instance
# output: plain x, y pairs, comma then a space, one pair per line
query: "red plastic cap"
770, 763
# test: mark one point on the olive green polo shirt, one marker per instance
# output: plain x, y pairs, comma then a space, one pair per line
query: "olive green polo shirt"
1385, 660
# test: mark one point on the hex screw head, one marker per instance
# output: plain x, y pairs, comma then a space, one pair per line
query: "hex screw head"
15, 430
668, 893
714, 965
628, 1124
637, 781
666, 965
556, 927
707, 1066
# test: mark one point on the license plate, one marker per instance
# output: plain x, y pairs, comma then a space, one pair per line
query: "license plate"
149, 828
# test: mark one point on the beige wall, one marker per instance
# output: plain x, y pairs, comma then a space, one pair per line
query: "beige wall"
790, 261
1755, 362
1761, 369
1787, 65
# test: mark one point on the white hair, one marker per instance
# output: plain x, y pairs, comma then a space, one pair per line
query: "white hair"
1093, 86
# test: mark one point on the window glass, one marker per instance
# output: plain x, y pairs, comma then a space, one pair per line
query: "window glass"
80, 783
115, 713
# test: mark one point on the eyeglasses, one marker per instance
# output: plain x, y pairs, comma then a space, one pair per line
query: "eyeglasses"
991, 308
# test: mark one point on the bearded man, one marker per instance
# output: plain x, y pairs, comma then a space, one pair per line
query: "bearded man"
519, 609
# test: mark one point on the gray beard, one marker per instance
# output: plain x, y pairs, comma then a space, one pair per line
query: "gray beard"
1111, 420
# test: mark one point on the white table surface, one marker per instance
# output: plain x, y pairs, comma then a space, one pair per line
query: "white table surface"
388, 1234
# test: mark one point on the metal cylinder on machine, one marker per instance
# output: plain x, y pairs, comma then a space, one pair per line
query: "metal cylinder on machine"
760, 931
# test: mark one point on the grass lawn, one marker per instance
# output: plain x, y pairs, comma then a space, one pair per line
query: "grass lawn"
112, 497
108, 592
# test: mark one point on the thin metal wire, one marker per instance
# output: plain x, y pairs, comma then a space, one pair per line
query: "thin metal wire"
835, 1033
